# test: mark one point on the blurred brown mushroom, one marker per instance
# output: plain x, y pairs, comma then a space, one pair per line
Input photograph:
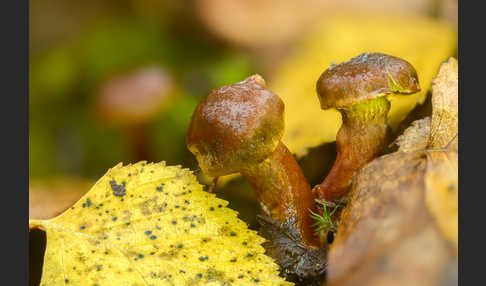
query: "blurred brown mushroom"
132, 100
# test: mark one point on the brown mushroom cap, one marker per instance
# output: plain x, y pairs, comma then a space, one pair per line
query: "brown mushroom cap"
135, 97
365, 77
235, 127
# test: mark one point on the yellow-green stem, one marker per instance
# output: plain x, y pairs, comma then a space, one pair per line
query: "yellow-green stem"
360, 139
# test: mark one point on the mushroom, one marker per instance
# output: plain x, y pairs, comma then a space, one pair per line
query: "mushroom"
237, 128
358, 89
131, 100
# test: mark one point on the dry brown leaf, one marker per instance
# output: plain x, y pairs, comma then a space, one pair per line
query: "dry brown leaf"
415, 138
441, 192
444, 125
387, 225
441, 177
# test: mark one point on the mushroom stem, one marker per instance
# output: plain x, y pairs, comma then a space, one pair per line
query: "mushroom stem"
360, 138
139, 141
283, 192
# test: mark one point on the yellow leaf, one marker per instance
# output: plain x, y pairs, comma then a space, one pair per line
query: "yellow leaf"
425, 43
415, 137
151, 224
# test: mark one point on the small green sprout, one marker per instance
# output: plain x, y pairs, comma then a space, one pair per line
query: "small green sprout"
325, 222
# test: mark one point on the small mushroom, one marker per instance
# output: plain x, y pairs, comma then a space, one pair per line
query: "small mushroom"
131, 100
358, 89
237, 128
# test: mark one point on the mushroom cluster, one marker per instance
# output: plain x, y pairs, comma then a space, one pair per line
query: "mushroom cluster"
238, 129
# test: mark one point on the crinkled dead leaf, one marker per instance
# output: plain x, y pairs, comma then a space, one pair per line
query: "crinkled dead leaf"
444, 125
416, 137
386, 236
48, 199
151, 224
425, 43
441, 178
441, 192
404, 203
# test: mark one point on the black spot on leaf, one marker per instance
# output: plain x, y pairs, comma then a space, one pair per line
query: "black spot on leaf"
118, 190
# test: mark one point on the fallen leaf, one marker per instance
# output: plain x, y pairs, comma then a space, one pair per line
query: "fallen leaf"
403, 203
424, 42
151, 224
384, 209
441, 177
445, 120
416, 137
441, 192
